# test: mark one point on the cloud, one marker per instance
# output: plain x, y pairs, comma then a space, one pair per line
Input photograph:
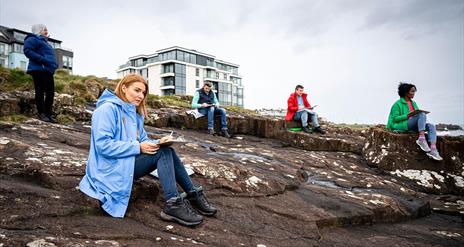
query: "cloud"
414, 18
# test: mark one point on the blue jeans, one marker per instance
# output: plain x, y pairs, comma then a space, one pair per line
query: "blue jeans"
210, 112
170, 170
303, 116
419, 123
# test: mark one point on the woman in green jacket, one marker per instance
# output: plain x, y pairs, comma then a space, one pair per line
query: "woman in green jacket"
403, 117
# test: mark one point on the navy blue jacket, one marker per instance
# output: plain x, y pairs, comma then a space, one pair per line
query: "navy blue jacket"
40, 53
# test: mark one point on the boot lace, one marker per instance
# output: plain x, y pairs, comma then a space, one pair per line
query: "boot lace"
188, 207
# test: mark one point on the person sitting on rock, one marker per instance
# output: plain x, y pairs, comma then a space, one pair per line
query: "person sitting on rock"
299, 109
120, 151
206, 102
405, 117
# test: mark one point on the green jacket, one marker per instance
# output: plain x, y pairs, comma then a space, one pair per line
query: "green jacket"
398, 118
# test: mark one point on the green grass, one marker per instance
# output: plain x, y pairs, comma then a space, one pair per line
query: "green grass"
238, 109
353, 126
65, 119
15, 79
171, 100
17, 118
80, 87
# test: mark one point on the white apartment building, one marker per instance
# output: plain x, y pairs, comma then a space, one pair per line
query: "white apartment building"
180, 71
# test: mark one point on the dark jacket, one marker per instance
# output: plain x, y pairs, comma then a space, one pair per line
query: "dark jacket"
201, 97
292, 105
40, 53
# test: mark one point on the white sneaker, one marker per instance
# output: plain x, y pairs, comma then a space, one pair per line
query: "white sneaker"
435, 155
423, 145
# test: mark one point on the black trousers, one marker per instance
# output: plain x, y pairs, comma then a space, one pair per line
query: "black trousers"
44, 91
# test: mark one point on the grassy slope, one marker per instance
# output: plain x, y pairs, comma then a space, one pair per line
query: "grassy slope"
18, 80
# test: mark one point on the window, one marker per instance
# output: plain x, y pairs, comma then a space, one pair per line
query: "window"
168, 81
197, 72
210, 62
225, 76
225, 93
67, 62
23, 65
170, 55
139, 62
144, 73
19, 36
17, 48
197, 83
2, 63
2, 49
153, 59
168, 68
180, 55
180, 79
54, 44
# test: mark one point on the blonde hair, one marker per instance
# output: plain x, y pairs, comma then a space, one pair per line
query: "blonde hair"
127, 81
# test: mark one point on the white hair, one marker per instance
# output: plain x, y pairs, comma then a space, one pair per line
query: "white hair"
38, 28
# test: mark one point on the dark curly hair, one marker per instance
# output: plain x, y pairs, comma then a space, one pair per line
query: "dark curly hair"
404, 88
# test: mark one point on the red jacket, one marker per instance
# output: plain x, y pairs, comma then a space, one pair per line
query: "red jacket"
292, 105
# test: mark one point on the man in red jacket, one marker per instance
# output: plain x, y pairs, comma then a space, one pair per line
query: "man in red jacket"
299, 109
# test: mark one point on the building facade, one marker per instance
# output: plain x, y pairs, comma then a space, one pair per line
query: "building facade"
12, 50
180, 71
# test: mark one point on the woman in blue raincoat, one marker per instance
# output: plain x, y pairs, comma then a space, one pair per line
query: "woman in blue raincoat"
120, 151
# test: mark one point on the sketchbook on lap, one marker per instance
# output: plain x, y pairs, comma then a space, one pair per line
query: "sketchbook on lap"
188, 169
195, 113
415, 112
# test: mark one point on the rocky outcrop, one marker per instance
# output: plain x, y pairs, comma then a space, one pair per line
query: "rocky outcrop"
398, 154
268, 193
23, 102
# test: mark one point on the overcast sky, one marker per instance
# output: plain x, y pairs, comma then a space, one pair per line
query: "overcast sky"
348, 54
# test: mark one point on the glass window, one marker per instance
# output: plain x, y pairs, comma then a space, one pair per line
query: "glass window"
168, 81
139, 62
197, 83
180, 55
19, 36
193, 58
17, 48
2, 49
23, 65
168, 68
144, 73
209, 62
186, 57
197, 72
225, 76
201, 60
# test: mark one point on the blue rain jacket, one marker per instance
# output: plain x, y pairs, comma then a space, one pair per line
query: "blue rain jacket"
117, 131
40, 53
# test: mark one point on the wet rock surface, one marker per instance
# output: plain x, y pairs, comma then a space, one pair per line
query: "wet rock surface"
269, 193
